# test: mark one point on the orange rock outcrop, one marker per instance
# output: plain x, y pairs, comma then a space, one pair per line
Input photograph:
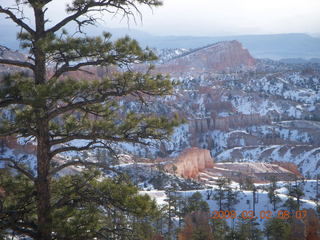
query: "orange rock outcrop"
191, 162
290, 167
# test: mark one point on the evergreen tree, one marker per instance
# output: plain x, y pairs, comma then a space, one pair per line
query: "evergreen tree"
231, 196
196, 227
83, 207
209, 193
294, 191
57, 110
297, 192
277, 229
291, 204
248, 184
247, 229
220, 193
220, 228
172, 209
195, 203
272, 195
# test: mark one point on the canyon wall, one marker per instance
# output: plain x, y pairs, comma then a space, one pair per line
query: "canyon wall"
227, 123
290, 167
190, 162
221, 56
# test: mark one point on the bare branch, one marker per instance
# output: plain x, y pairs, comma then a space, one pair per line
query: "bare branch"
18, 167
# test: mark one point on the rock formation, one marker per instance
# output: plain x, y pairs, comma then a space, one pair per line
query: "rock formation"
290, 167
197, 163
226, 123
257, 172
220, 56
190, 162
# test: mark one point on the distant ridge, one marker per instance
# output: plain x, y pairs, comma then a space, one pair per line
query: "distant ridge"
273, 46
227, 55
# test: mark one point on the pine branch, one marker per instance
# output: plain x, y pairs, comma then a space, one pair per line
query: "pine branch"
17, 20
7, 102
18, 167
91, 136
89, 146
23, 230
17, 63
81, 163
85, 8
67, 20
66, 68
77, 105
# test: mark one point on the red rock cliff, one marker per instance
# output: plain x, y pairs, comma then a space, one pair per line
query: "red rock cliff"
191, 161
290, 167
216, 57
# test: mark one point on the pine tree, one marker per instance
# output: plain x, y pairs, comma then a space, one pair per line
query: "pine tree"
277, 229
231, 196
83, 207
57, 110
220, 228
247, 229
248, 184
196, 227
172, 210
195, 203
220, 193
272, 195
209, 193
295, 191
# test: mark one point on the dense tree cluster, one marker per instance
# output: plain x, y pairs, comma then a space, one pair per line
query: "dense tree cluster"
84, 206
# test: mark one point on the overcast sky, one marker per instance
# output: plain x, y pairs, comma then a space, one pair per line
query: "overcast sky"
219, 17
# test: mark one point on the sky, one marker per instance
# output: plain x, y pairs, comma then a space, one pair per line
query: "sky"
216, 17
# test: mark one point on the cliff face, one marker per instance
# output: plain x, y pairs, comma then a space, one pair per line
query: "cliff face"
197, 163
257, 172
225, 123
217, 57
191, 162
290, 167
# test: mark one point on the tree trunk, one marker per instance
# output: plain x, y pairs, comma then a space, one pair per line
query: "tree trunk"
39, 54
43, 145
43, 184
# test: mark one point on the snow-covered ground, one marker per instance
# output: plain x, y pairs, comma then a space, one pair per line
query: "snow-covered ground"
246, 199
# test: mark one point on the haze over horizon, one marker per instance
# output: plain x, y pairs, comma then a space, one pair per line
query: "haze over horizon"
217, 18
193, 24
